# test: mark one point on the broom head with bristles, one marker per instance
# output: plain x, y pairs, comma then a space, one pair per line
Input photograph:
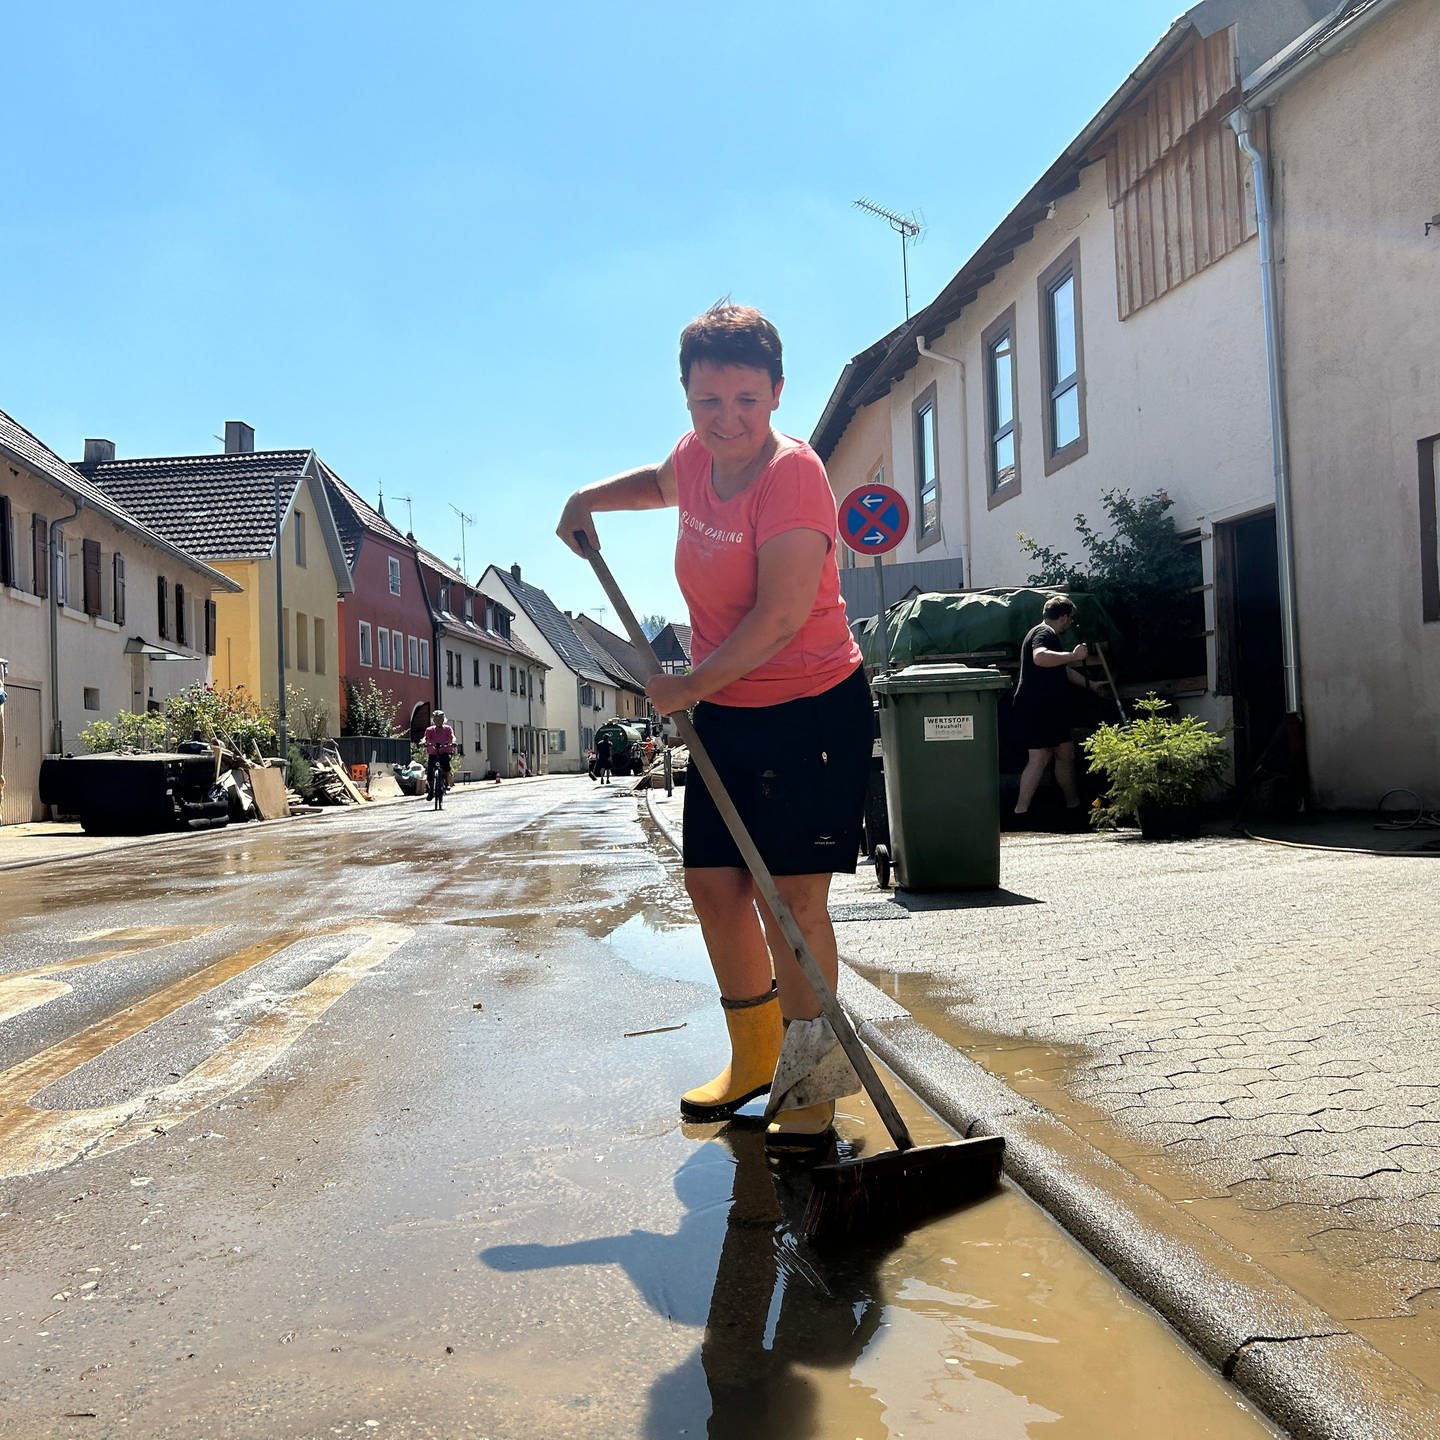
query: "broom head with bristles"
878, 1196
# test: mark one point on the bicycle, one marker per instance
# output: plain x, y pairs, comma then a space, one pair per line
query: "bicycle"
439, 781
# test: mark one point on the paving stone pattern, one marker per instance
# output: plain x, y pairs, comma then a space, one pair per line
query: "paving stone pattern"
1266, 1017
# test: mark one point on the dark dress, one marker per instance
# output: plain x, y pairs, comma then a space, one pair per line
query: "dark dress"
1042, 697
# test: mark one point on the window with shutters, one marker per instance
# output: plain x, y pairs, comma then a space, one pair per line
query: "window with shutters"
62, 568
117, 614
212, 628
182, 625
1429, 530
39, 556
162, 606
7, 542
90, 571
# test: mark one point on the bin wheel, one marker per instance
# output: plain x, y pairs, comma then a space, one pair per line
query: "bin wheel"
881, 856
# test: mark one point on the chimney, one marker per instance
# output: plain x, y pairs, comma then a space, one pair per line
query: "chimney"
99, 452
239, 438
515, 571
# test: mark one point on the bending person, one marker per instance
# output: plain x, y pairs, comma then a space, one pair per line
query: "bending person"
778, 693
1042, 707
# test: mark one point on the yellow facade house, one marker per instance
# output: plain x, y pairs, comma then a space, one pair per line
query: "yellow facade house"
261, 518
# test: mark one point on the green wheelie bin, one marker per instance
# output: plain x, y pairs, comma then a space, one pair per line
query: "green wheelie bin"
940, 742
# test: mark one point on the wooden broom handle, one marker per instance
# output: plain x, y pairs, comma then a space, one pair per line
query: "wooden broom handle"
764, 881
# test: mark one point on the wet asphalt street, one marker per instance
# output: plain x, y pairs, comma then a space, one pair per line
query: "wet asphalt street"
366, 1126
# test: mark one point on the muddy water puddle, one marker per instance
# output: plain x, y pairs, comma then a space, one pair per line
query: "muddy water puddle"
464, 1205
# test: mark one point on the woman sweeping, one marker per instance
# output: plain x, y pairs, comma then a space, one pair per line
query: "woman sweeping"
778, 694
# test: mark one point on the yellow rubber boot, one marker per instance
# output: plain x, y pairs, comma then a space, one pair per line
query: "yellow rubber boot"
802, 1130
756, 1034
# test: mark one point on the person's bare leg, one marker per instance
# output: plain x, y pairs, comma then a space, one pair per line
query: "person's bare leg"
807, 897
724, 902
1030, 778
1065, 773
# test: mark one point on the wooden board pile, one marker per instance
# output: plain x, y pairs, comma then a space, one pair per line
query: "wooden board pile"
332, 786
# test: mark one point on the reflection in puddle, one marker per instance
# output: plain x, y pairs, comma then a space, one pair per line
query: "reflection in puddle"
988, 1322
664, 944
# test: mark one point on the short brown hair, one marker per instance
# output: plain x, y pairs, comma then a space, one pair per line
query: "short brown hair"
1056, 606
729, 334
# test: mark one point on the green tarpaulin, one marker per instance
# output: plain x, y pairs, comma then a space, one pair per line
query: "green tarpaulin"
947, 626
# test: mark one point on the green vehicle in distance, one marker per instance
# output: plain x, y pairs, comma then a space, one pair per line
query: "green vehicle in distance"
630, 744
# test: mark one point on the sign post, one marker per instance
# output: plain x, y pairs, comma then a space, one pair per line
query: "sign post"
873, 520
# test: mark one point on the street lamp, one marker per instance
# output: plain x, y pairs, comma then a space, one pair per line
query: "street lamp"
284, 738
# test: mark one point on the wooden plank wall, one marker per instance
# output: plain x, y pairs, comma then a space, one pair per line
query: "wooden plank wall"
1178, 185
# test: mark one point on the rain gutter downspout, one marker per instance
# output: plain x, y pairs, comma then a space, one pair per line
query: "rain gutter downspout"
57, 731
965, 578
1239, 120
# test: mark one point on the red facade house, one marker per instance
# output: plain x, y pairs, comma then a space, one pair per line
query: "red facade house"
386, 632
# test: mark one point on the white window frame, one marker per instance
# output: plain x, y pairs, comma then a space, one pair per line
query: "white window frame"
382, 653
394, 574
367, 649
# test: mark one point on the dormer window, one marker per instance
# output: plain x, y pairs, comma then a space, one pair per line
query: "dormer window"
394, 575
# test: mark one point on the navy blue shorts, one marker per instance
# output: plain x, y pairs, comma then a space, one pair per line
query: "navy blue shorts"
796, 772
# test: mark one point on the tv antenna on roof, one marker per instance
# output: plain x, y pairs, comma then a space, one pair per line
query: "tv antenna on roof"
907, 227
409, 512
464, 521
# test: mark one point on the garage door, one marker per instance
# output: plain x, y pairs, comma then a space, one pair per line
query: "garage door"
23, 751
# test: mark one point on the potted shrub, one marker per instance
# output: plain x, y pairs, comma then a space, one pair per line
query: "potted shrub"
1157, 770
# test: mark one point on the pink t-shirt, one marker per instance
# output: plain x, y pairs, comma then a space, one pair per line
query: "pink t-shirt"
717, 564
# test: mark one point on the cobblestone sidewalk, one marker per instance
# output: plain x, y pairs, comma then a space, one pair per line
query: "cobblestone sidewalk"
1251, 1029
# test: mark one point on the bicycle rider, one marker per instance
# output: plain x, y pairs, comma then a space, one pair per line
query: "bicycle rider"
439, 749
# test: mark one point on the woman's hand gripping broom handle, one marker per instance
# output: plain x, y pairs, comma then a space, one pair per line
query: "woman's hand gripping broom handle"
764, 882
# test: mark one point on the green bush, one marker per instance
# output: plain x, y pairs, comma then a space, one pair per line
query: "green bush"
1153, 760
307, 718
302, 781
369, 709
235, 717
1145, 575
127, 731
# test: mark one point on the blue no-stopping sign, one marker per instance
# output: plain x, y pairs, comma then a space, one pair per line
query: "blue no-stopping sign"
873, 519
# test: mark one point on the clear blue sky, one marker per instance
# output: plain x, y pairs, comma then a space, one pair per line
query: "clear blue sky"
451, 246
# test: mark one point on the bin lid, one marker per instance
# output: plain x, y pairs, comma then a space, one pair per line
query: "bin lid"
941, 677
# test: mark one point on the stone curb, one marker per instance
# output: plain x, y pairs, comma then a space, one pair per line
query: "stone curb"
1306, 1370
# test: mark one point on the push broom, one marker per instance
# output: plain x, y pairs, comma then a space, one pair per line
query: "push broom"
870, 1196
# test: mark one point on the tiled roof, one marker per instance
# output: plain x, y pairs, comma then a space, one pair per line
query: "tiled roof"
218, 506
42, 460
624, 660
562, 636
673, 643
353, 517
1274, 71
458, 626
